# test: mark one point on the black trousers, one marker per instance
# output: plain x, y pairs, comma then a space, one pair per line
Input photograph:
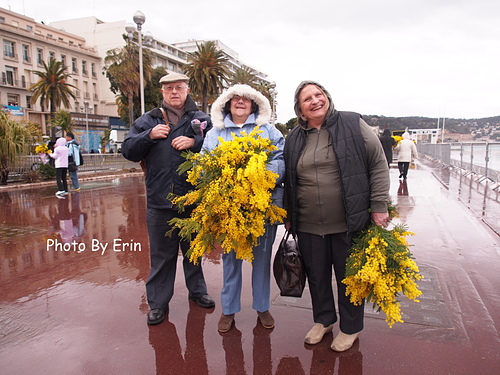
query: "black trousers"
163, 251
62, 183
403, 168
319, 254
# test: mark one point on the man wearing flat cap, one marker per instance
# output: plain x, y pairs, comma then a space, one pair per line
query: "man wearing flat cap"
157, 139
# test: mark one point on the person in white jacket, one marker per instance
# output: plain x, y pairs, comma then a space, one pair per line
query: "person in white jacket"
407, 151
60, 155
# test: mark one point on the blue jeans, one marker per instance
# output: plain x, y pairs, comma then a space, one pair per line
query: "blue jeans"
74, 179
261, 273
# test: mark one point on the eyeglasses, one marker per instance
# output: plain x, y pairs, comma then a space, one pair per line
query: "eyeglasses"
237, 98
177, 88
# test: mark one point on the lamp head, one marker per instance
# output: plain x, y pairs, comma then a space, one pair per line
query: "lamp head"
139, 18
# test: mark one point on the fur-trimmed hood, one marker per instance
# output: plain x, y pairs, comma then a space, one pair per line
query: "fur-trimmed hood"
262, 115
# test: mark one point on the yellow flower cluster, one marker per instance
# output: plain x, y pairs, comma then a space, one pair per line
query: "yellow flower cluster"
42, 149
397, 138
233, 196
379, 268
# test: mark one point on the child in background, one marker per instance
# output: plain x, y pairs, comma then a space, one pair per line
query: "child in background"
60, 155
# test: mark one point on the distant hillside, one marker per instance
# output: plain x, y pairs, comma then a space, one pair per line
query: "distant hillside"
463, 126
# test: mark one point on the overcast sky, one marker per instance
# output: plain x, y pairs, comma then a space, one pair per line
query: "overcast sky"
429, 58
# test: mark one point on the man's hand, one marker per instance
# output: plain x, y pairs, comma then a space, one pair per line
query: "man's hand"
182, 143
381, 218
159, 131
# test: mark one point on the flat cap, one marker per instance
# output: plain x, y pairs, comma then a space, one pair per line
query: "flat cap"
174, 77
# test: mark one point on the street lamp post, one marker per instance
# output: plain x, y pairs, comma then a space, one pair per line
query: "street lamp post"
274, 93
139, 19
86, 103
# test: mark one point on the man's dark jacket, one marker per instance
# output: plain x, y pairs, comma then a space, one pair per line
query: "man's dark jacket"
161, 159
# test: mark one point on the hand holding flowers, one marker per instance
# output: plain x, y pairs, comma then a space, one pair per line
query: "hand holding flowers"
380, 267
233, 196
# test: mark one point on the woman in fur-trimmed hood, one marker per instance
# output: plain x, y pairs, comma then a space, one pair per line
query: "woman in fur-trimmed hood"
241, 109
221, 109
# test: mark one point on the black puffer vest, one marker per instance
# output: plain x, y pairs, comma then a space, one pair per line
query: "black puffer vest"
349, 147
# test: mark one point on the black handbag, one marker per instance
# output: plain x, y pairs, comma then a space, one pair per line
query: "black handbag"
72, 167
288, 268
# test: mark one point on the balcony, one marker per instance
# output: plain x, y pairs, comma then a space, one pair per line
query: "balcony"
9, 55
7, 81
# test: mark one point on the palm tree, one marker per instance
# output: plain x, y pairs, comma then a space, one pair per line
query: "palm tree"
208, 70
266, 89
122, 70
52, 88
245, 76
15, 139
62, 119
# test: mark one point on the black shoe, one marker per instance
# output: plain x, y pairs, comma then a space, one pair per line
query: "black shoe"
204, 301
156, 316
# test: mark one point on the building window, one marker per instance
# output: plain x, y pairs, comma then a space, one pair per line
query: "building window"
73, 65
26, 53
13, 100
29, 27
9, 49
28, 101
39, 56
9, 77
84, 68
52, 56
94, 73
63, 60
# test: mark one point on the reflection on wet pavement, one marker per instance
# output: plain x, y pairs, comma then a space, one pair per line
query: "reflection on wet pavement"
73, 271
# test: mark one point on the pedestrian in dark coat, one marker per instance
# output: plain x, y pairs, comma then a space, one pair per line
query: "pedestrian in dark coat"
387, 144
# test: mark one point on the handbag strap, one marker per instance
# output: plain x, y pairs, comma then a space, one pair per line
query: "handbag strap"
287, 234
165, 117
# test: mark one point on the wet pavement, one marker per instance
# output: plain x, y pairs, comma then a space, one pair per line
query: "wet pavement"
72, 275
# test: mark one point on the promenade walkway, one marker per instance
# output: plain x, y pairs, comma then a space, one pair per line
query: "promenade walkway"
80, 308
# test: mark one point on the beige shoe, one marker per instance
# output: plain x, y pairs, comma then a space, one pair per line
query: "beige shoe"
343, 341
266, 319
316, 333
225, 322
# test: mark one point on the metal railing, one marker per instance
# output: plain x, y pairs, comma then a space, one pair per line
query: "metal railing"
482, 159
93, 163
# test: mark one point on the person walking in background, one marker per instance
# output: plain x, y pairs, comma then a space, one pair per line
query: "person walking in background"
242, 109
337, 180
407, 151
157, 139
60, 156
73, 160
388, 143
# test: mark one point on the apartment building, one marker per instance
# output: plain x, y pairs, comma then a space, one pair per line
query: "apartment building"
81, 44
26, 45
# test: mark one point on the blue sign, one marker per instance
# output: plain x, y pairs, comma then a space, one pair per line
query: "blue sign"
13, 110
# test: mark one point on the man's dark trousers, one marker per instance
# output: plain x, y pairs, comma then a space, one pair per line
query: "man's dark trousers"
164, 251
